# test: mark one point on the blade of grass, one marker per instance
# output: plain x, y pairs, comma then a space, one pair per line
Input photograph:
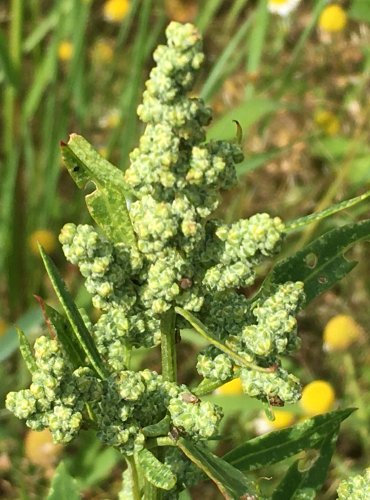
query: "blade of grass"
256, 44
44, 27
234, 13
218, 72
299, 46
206, 14
125, 135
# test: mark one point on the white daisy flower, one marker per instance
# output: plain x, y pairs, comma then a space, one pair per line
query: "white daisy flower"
282, 7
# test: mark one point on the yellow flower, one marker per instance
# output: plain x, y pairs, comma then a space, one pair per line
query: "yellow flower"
340, 332
40, 449
282, 7
46, 239
115, 11
332, 19
231, 388
3, 327
317, 397
65, 51
102, 52
327, 121
283, 419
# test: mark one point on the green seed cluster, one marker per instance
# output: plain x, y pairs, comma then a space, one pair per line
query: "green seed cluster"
132, 401
187, 473
355, 487
58, 394
259, 332
112, 273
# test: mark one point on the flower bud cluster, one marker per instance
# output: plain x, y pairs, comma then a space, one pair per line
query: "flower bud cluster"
57, 396
134, 400
355, 487
260, 333
187, 473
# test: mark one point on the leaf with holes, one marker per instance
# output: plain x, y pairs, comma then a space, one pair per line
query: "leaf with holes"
306, 477
107, 204
321, 263
279, 445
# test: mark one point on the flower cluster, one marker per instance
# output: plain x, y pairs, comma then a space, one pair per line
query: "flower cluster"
355, 487
58, 394
182, 258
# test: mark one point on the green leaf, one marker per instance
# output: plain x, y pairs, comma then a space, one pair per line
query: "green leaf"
7, 65
229, 480
107, 204
304, 480
63, 486
29, 322
156, 472
333, 209
321, 263
26, 351
66, 336
360, 11
247, 114
159, 429
81, 333
276, 446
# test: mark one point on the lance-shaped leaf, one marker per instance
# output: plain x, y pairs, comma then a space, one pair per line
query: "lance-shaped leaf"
26, 351
155, 471
107, 204
333, 209
232, 483
321, 263
276, 446
304, 480
80, 331
66, 336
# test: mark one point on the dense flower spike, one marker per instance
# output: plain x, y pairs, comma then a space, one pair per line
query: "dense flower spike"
183, 258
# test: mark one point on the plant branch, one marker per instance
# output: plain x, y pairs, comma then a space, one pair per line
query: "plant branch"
168, 346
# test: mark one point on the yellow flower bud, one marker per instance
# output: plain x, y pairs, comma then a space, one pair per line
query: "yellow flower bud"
46, 239
327, 121
65, 51
40, 449
332, 19
115, 11
340, 332
317, 397
231, 388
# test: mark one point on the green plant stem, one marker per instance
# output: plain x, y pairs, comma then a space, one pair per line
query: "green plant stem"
135, 478
355, 393
159, 441
201, 329
206, 386
168, 346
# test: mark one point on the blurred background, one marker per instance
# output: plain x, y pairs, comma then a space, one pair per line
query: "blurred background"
296, 75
